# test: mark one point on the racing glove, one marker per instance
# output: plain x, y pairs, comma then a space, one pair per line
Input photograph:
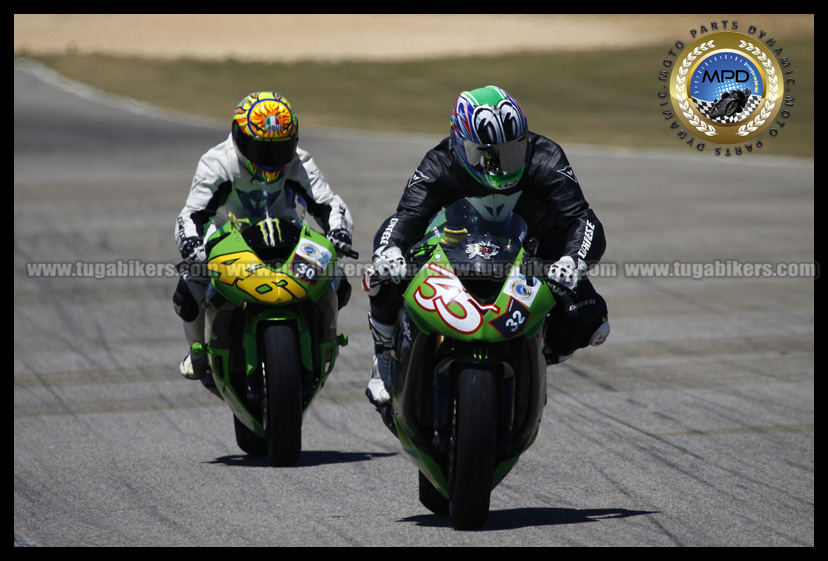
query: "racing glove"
341, 240
192, 250
389, 263
566, 272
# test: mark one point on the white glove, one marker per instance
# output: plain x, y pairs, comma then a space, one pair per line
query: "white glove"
389, 263
566, 272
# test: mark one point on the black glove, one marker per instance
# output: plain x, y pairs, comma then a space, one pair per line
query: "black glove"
341, 240
192, 250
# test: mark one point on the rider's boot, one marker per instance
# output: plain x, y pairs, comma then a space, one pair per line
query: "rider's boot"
198, 368
554, 356
382, 365
188, 294
193, 367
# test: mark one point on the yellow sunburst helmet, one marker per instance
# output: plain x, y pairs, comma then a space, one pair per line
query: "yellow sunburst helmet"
265, 132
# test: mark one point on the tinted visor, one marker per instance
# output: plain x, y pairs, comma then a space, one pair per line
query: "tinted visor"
497, 159
265, 153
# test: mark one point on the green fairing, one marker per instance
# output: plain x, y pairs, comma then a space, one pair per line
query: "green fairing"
453, 318
229, 252
272, 291
460, 309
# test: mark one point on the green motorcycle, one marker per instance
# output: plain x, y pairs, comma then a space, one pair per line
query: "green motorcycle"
271, 324
469, 387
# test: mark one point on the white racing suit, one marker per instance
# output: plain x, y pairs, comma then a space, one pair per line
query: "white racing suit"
223, 184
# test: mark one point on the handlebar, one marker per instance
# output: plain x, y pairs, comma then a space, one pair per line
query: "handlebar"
560, 287
350, 253
373, 280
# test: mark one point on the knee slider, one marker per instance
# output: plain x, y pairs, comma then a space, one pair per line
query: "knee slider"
600, 335
184, 302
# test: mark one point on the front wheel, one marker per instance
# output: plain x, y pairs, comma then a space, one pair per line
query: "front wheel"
282, 406
474, 453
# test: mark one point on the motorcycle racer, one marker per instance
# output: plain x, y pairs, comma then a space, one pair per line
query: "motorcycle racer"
493, 160
258, 167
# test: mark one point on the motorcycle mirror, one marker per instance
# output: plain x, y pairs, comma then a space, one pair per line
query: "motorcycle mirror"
532, 246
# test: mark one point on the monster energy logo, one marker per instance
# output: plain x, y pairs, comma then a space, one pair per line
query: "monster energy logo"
270, 231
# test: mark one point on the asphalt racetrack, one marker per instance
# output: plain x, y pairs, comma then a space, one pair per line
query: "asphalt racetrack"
692, 426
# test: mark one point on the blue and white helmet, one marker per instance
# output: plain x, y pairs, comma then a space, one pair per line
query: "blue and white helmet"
489, 136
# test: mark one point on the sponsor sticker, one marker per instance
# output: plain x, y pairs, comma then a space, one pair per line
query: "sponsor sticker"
726, 88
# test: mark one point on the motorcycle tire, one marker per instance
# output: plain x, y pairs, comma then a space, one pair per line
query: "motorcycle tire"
282, 406
247, 440
431, 498
475, 446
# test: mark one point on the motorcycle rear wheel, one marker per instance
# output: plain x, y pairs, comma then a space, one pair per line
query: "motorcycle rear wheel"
282, 406
474, 453
431, 498
247, 439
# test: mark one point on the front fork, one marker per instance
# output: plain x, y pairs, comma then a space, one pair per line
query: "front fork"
444, 400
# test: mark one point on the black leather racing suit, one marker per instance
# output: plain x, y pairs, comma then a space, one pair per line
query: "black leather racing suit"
549, 199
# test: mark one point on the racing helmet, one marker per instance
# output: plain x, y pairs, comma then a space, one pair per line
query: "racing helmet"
265, 132
489, 136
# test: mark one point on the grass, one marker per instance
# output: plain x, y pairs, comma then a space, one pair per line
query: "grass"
600, 98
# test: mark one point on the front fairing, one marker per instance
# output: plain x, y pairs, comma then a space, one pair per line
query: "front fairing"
470, 284
272, 261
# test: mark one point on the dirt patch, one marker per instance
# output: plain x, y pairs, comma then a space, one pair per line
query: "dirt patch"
295, 37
